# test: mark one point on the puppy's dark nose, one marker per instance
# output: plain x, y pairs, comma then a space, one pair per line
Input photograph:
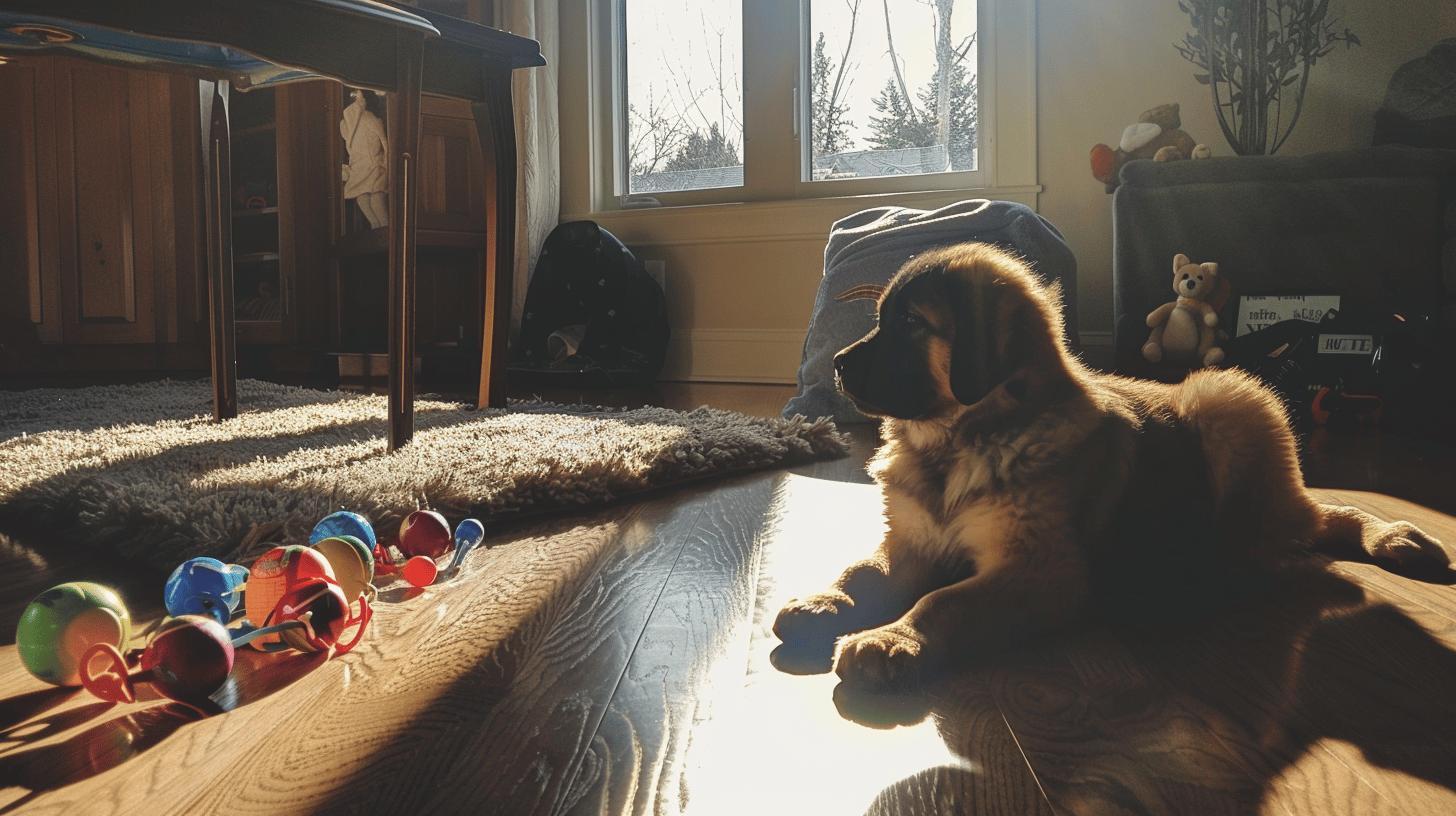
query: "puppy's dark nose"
1190, 284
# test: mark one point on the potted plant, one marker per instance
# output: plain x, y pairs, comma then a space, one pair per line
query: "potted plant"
1256, 56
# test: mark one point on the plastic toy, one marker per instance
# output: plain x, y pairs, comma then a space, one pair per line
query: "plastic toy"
187, 659
424, 532
353, 565
420, 571
468, 534
205, 586
344, 523
274, 574
313, 613
63, 623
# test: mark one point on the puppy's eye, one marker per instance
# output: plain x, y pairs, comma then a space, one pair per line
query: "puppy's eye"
912, 320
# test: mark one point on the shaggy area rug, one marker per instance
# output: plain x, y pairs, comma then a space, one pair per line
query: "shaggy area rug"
142, 470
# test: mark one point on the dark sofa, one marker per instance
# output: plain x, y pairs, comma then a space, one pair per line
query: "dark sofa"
1377, 226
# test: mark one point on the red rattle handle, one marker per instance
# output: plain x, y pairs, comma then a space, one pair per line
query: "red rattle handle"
114, 683
365, 614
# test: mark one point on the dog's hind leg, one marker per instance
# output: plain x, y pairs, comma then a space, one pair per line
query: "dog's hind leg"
1343, 529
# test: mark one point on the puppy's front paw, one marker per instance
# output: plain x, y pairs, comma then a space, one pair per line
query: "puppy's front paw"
889, 657
823, 616
1408, 546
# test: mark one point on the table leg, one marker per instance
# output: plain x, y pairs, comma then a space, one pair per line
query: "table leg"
496, 124
404, 140
217, 197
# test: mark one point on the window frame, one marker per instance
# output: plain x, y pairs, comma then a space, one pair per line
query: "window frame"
776, 149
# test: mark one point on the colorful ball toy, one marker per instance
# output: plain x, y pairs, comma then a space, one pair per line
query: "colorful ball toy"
420, 571
468, 535
313, 614
344, 523
424, 532
189, 658
353, 565
63, 623
205, 586
273, 575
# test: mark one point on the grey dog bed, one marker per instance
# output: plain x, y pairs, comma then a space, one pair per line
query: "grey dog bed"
870, 246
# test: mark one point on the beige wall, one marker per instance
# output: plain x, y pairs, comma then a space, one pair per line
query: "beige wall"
1098, 70
741, 278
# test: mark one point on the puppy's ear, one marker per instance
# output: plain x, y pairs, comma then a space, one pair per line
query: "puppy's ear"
1209, 268
974, 368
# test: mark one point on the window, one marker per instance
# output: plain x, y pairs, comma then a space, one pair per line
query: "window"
892, 92
684, 106
711, 101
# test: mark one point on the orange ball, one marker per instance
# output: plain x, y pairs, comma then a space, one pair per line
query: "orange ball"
273, 575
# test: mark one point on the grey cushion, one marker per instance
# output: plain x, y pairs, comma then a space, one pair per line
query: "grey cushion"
870, 246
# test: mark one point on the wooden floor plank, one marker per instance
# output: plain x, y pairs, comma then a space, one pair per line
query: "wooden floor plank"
692, 651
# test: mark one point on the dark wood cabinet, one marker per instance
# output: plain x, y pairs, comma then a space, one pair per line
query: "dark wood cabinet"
94, 224
101, 264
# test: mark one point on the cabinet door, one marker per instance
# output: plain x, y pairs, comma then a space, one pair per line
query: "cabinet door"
113, 207
452, 185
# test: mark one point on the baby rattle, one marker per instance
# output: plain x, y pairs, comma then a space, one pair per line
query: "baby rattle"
58, 628
188, 658
205, 586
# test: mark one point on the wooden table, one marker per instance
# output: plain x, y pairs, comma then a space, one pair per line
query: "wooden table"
247, 44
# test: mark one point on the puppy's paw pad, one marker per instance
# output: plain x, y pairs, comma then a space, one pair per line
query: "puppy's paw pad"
818, 616
1409, 546
889, 657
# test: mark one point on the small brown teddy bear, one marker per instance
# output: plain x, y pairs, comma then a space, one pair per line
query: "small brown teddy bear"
1156, 135
1184, 330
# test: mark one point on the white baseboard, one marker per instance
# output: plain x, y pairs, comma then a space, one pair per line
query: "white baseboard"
734, 355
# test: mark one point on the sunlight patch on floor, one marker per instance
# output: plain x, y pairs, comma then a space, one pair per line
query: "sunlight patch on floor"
779, 745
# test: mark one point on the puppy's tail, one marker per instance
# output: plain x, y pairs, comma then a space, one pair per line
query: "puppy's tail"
1346, 531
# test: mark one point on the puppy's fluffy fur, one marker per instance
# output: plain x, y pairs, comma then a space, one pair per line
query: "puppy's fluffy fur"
1017, 483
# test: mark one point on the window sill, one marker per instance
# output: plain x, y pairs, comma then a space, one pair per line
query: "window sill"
782, 220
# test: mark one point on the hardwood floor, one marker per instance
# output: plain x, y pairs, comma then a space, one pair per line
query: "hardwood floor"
621, 662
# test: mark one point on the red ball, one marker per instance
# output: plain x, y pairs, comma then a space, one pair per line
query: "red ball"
189, 658
420, 571
425, 532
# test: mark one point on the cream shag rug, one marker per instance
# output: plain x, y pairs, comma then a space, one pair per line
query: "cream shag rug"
144, 471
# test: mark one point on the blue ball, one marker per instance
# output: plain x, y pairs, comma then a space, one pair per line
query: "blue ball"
344, 523
207, 587
468, 533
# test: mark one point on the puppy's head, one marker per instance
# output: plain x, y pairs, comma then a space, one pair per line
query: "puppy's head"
962, 329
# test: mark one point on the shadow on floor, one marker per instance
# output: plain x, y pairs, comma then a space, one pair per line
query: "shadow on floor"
1203, 712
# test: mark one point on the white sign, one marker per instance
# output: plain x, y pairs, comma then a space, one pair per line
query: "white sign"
1357, 344
1262, 311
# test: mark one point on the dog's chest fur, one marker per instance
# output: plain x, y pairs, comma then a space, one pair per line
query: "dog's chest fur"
950, 500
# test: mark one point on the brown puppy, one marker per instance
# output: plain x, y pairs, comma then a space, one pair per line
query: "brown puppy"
1017, 481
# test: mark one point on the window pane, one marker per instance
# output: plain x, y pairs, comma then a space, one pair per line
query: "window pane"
684, 94
869, 119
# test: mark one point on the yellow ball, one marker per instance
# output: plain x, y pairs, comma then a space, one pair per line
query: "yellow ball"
353, 566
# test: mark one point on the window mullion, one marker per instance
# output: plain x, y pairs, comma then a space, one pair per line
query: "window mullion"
771, 43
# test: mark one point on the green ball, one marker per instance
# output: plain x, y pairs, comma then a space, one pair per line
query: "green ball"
63, 622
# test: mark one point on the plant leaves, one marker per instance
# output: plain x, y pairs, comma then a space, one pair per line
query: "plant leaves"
1202, 79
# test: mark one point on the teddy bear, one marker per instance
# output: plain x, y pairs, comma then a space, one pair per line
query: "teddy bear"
1185, 329
1156, 135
